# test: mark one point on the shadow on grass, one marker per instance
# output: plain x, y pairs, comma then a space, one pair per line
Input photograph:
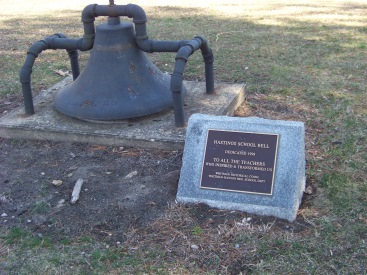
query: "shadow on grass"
293, 53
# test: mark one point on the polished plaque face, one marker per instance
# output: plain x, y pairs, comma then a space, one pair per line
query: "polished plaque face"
239, 162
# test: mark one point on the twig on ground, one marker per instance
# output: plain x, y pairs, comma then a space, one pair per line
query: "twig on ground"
221, 33
76, 191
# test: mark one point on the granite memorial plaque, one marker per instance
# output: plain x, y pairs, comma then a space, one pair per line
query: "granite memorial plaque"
249, 164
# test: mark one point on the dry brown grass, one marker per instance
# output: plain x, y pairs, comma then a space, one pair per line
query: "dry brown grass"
300, 61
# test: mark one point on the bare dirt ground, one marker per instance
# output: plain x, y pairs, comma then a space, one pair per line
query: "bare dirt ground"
123, 187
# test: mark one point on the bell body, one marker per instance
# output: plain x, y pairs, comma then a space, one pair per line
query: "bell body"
118, 82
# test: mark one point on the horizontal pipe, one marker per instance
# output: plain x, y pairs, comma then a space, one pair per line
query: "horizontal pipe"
132, 11
151, 46
139, 19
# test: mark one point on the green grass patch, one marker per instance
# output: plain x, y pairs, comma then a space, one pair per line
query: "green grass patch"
197, 230
26, 240
14, 235
347, 196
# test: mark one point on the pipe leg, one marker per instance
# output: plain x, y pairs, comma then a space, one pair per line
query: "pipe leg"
209, 69
25, 80
178, 109
73, 55
26, 70
209, 78
28, 100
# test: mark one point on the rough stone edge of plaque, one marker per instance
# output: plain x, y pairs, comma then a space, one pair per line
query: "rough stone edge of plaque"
288, 213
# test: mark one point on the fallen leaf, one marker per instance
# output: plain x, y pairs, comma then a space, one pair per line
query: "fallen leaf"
62, 73
309, 190
57, 182
132, 174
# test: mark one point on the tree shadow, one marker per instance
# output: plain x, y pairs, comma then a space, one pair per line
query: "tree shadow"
265, 56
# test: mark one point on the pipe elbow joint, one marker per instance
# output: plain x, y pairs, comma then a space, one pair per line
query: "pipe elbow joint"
204, 42
176, 82
86, 43
137, 13
184, 52
50, 41
89, 14
208, 56
38, 47
144, 44
25, 74
206, 50
195, 44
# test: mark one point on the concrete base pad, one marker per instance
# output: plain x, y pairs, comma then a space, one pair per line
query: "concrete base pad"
155, 131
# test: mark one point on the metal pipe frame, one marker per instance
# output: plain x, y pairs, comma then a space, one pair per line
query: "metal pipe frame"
184, 49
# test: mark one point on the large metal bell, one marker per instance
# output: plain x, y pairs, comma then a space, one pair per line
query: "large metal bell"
118, 82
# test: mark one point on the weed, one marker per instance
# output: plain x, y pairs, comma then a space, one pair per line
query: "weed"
197, 230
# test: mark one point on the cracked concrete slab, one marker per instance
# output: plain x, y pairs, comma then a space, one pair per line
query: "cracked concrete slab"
155, 131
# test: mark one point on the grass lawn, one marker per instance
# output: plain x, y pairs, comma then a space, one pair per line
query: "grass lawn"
300, 60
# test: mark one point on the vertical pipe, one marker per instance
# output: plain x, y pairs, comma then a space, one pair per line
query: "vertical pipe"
25, 76
75, 70
176, 84
178, 109
28, 100
209, 77
73, 54
208, 58
176, 89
